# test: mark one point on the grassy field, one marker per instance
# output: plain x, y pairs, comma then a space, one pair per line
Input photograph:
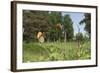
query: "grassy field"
36, 52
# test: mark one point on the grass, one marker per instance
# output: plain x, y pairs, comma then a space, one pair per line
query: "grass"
54, 51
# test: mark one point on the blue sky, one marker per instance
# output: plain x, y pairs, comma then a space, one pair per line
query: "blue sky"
76, 18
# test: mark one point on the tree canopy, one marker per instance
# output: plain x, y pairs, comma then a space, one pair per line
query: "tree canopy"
33, 22
53, 24
87, 21
68, 27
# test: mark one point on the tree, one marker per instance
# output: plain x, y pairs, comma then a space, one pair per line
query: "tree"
79, 36
68, 28
55, 18
87, 21
33, 22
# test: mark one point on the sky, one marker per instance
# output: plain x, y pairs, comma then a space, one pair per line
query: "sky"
76, 18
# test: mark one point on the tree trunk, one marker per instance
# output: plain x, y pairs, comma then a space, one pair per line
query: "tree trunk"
58, 36
65, 37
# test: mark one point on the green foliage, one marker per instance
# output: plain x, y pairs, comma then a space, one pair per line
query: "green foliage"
46, 21
68, 27
36, 52
54, 48
79, 36
54, 19
33, 22
87, 21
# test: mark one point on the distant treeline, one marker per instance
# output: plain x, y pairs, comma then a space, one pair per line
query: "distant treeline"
54, 25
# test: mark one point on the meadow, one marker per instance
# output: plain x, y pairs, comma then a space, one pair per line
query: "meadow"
55, 51
51, 36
